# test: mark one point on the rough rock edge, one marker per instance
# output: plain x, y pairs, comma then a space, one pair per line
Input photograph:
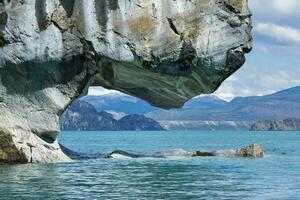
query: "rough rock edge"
250, 151
32, 141
20, 146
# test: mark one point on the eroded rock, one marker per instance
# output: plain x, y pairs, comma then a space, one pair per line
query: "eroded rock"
253, 150
250, 151
164, 52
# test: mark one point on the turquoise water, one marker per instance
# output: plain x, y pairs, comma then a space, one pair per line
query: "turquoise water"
277, 176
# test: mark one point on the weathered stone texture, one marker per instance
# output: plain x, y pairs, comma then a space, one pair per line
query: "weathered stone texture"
163, 51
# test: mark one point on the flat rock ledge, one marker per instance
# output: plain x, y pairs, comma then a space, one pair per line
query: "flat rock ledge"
165, 52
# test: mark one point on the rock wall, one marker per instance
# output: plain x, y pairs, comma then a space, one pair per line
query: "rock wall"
162, 51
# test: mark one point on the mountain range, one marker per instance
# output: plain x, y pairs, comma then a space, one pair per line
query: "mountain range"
82, 116
280, 105
206, 112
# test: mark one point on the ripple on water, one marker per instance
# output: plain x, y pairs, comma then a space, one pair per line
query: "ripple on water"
274, 177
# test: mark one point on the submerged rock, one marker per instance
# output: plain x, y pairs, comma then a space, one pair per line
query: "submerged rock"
251, 151
204, 154
118, 154
172, 152
165, 52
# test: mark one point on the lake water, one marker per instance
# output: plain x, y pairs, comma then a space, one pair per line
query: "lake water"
277, 176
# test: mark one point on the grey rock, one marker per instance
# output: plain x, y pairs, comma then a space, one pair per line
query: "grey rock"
291, 124
250, 151
253, 150
164, 52
20, 146
122, 154
172, 152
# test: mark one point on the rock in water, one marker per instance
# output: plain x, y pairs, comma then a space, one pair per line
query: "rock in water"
253, 150
172, 153
165, 52
119, 154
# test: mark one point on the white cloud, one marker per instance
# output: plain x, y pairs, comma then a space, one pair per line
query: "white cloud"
258, 82
279, 8
263, 48
279, 33
229, 90
286, 7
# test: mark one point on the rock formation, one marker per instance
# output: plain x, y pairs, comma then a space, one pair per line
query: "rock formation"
253, 150
164, 52
291, 124
250, 151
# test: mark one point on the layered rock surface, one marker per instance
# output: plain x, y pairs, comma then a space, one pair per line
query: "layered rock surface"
164, 52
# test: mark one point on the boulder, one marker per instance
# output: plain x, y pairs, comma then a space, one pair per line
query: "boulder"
253, 150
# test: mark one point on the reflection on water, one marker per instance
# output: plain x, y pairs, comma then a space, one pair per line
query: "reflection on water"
274, 177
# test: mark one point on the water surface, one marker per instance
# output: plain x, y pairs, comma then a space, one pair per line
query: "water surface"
277, 176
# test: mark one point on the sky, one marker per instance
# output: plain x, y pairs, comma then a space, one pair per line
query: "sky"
274, 63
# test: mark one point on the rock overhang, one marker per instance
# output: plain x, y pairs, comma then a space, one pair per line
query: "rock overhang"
168, 53
165, 52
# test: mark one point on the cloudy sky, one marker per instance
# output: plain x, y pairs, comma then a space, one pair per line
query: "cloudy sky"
274, 63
